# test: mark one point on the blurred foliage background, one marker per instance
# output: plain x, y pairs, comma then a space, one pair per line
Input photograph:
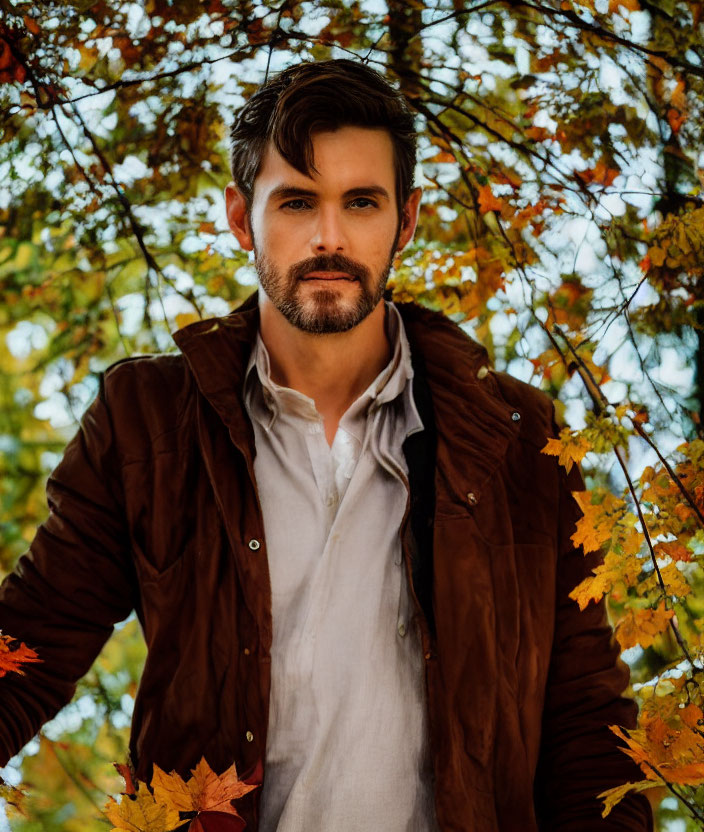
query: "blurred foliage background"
562, 225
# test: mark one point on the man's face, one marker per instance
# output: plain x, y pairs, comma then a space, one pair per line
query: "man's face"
324, 245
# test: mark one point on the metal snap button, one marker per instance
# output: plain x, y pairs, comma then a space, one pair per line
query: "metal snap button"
482, 372
515, 415
472, 498
249, 736
254, 544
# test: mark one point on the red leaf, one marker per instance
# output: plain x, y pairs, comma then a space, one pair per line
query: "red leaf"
126, 774
216, 822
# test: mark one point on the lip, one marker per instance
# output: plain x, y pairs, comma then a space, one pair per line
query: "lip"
329, 276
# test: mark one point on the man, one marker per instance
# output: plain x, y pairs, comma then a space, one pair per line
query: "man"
349, 557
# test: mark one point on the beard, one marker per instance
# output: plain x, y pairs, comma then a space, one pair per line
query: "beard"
323, 310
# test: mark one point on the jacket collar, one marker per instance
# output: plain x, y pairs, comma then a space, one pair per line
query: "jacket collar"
217, 351
475, 425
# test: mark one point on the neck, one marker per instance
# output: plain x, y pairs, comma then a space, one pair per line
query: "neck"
332, 369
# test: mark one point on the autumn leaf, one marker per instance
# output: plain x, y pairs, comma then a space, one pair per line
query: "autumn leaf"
172, 790
10, 68
616, 569
142, 813
126, 773
631, 5
216, 822
596, 524
13, 655
613, 796
14, 797
487, 200
675, 119
642, 626
667, 754
691, 714
570, 447
600, 174
204, 791
207, 795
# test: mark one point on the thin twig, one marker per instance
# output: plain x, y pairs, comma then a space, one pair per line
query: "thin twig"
600, 401
646, 533
579, 23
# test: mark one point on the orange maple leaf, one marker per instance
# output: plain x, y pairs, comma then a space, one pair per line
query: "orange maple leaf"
600, 173
675, 119
642, 626
205, 794
487, 200
205, 791
631, 5
570, 447
14, 654
596, 526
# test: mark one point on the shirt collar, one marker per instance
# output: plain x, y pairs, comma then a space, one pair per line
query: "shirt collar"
266, 399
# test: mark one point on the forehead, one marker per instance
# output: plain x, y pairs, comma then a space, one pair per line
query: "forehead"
345, 158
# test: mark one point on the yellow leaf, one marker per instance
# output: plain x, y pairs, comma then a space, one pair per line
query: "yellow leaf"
614, 570
596, 525
186, 318
141, 813
570, 447
613, 796
171, 790
23, 256
657, 255
675, 581
14, 797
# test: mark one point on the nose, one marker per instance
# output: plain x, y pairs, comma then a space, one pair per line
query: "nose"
329, 234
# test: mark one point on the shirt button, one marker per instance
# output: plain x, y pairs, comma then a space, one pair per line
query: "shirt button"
515, 415
249, 736
472, 498
482, 372
401, 629
427, 656
246, 651
254, 544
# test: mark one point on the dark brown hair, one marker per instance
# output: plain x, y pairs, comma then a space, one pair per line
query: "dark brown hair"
309, 98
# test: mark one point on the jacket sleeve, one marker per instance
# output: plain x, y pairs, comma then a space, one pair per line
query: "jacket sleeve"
580, 757
75, 582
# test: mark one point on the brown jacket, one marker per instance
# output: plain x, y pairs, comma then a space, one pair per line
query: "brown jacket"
154, 507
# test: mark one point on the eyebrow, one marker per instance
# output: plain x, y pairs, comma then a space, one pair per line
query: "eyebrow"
292, 192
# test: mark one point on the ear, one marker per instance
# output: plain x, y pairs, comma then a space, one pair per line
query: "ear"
409, 218
238, 216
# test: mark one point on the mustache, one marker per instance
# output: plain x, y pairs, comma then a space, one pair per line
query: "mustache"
328, 263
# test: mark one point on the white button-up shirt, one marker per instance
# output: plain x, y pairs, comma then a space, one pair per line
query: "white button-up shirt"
347, 746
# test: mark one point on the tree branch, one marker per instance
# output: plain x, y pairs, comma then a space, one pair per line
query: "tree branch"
579, 23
